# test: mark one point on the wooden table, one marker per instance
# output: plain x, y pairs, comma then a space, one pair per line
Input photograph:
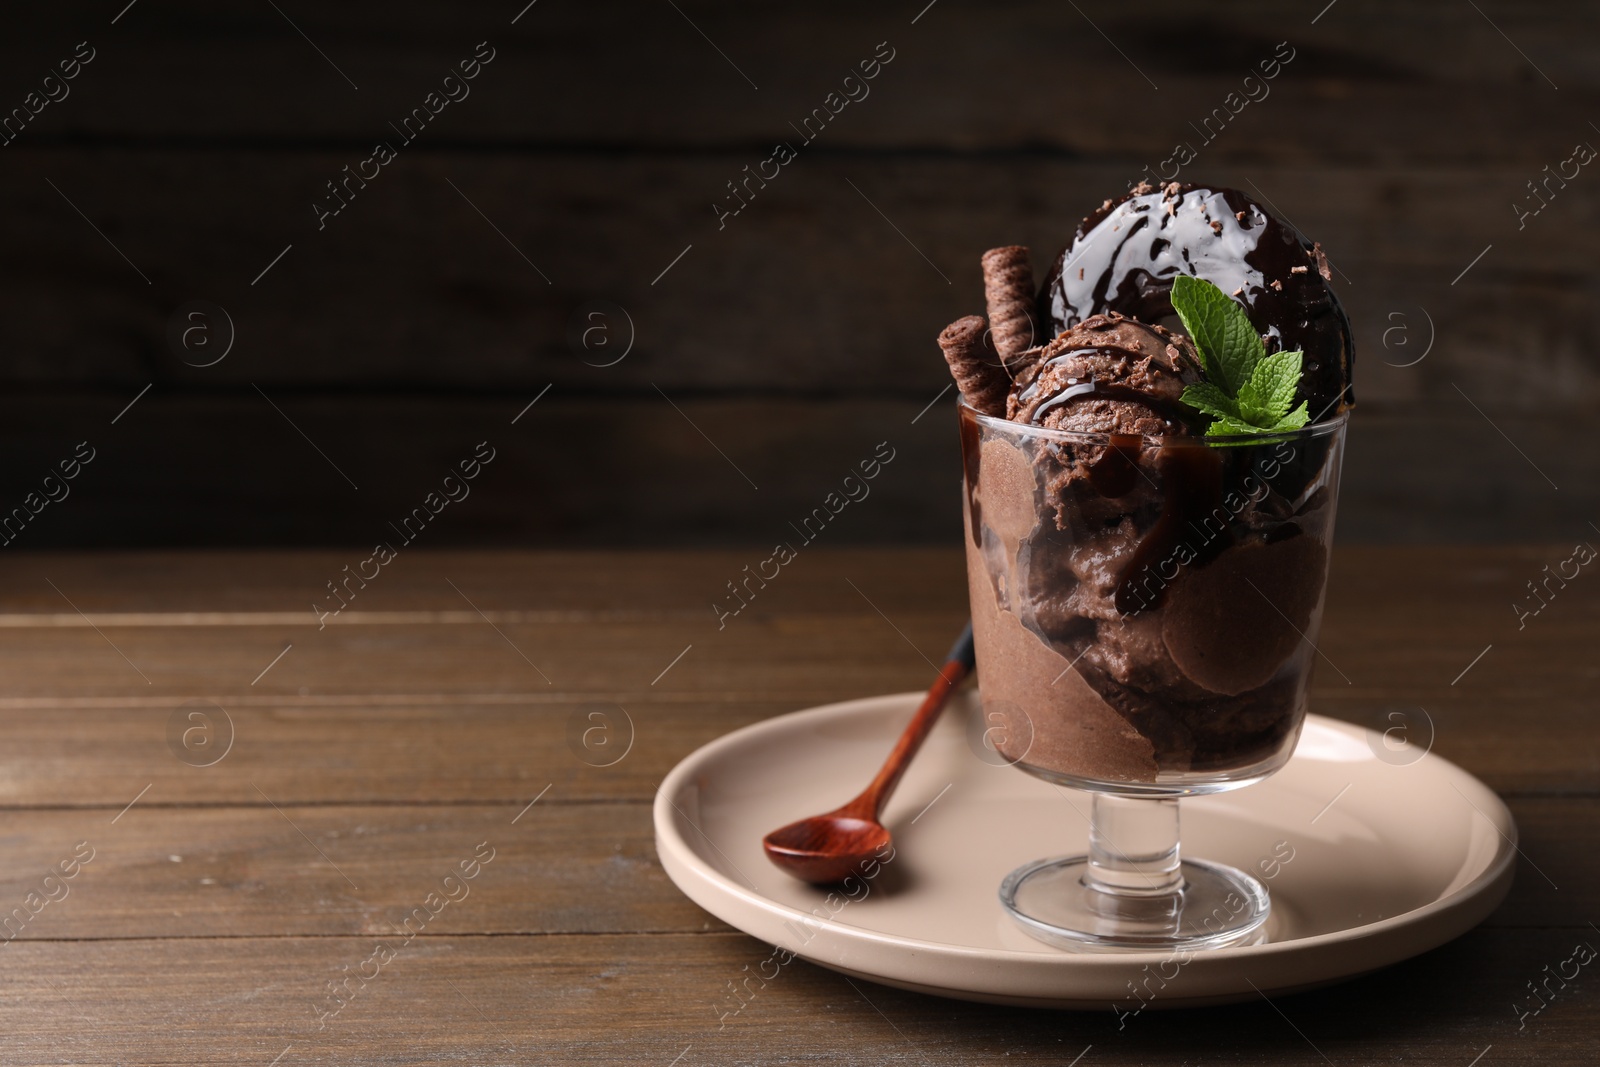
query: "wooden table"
374, 755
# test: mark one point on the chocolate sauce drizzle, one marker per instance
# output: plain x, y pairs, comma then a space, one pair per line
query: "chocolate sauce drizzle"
1171, 413
1124, 257
1116, 472
971, 440
1191, 489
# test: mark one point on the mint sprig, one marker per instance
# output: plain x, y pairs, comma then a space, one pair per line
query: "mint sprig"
1248, 391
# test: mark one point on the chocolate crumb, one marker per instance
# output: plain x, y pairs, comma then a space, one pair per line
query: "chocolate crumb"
1239, 215
1144, 188
1239, 291
1106, 206
1276, 284
1322, 260
1171, 189
1216, 227
1298, 270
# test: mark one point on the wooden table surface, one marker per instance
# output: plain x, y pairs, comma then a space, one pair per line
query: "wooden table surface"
377, 751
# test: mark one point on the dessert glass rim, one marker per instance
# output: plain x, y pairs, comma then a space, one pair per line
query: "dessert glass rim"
1309, 431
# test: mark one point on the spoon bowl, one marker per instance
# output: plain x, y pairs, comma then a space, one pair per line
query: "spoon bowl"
827, 848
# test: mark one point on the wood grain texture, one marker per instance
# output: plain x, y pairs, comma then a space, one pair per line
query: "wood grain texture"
179, 470
646, 999
568, 865
217, 871
588, 158
1428, 628
810, 289
635, 74
222, 901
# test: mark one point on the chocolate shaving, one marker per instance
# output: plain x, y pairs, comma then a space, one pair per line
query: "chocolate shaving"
1009, 291
976, 368
1322, 261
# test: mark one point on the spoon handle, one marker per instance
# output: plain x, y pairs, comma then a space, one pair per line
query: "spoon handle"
958, 664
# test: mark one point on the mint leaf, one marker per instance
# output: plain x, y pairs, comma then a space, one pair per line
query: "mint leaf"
1294, 420
1266, 397
1228, 344
1248, 392
1228, 426
1207, 398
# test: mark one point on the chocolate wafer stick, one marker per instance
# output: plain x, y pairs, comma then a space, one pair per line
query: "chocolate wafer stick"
975, 366
1008, 289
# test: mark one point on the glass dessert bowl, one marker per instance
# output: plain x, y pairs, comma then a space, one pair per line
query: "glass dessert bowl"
1152, 445
1145, 610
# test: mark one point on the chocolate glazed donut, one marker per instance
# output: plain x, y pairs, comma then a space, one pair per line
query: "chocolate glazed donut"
1124, 257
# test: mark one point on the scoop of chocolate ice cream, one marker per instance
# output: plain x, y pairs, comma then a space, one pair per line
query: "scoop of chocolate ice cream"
1230, 625
1124, 257
1108, 374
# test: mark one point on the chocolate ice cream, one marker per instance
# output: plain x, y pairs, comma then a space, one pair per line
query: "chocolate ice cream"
1124, 257
1141, 595
1108, 374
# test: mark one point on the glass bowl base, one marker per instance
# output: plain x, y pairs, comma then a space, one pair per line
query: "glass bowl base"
1216, 906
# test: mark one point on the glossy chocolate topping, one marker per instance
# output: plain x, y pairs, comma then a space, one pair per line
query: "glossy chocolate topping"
1124, 257
1108, 374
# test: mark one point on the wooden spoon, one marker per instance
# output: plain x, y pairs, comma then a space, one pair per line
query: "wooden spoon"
828, 848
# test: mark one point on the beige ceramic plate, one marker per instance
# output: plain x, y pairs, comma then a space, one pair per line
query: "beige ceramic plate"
1369, 860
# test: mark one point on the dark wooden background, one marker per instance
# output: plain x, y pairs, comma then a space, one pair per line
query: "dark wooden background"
777, 351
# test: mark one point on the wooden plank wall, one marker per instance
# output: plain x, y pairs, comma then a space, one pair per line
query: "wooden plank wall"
773, 349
